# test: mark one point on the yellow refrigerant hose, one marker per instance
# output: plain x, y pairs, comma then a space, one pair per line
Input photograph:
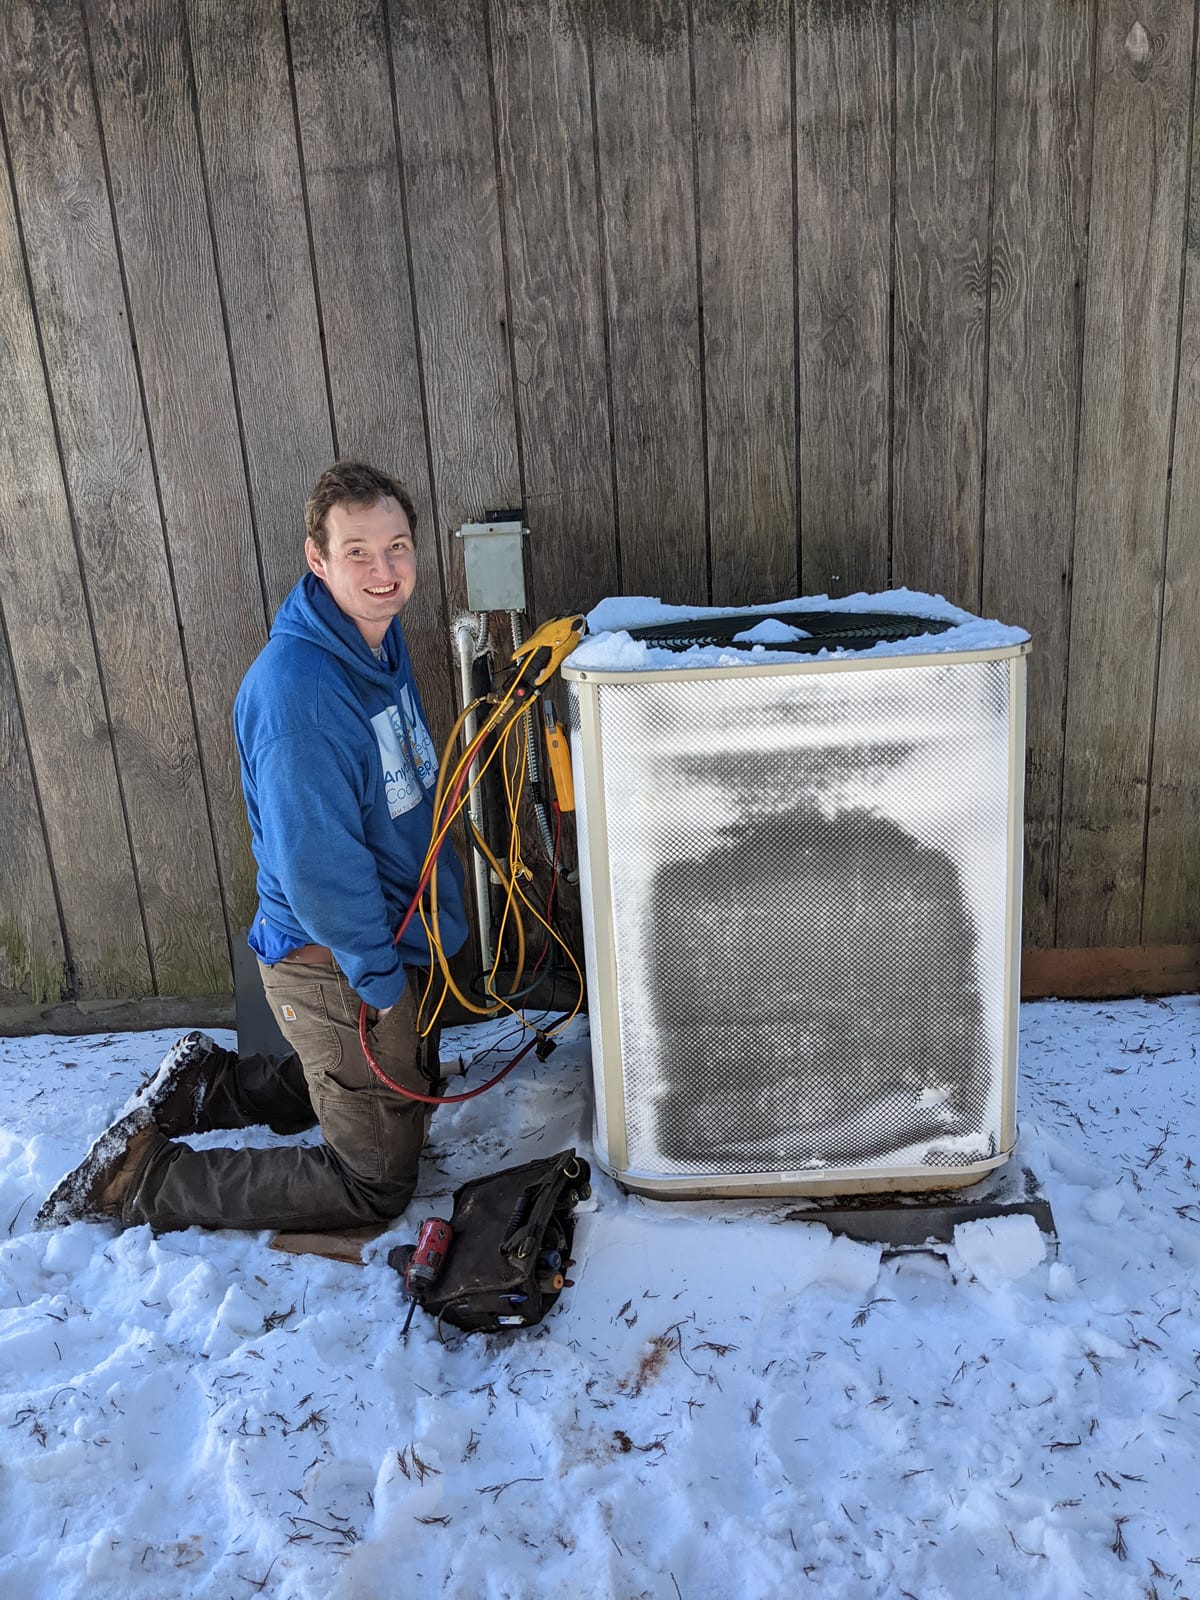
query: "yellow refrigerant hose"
534, 662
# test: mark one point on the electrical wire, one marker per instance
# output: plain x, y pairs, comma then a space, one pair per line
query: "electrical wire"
509, 720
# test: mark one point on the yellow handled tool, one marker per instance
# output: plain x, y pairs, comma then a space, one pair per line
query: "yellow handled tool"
548, 647
560, 759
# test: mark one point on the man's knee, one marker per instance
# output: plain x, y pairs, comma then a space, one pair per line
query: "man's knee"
378, 1156
384, 1198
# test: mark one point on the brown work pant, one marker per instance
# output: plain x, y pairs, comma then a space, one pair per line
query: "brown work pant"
366, 1169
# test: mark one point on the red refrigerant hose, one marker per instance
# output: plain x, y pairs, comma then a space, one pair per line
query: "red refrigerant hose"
412, 1094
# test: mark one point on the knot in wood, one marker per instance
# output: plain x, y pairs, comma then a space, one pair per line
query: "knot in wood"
1137, 46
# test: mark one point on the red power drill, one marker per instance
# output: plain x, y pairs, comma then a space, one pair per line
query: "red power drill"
420, 1265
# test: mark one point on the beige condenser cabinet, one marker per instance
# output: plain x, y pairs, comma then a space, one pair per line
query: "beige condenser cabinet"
801, 886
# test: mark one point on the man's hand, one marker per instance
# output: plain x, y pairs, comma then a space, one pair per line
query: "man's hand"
379, 1015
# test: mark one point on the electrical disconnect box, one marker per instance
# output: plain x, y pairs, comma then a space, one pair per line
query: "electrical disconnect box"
494, 554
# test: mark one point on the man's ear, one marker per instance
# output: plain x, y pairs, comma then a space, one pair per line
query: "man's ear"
316, 561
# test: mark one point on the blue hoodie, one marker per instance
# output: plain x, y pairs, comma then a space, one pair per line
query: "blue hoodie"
338, 771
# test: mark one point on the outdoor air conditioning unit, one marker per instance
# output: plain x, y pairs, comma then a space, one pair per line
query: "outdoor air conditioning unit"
801, 881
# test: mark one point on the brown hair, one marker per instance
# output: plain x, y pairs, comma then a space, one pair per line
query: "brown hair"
351, 483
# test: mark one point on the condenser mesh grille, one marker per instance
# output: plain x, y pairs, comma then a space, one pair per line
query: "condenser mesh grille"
808, 879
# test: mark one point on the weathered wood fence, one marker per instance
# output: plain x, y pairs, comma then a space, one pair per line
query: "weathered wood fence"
740, 298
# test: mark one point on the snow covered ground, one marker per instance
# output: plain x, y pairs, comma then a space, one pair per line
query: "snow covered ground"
727, 1406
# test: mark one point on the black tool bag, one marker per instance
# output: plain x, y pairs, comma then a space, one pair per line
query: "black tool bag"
507, 1262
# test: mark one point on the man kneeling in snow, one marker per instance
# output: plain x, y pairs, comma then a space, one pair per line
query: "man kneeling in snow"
339, 771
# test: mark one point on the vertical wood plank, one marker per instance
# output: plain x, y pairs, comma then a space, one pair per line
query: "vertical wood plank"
843, 255
76, 279
348, 145
54, 667
544, 117
444, 111
943, 173
1171, 912
248, 138
743, 106
1039, 261
144, 89
1139, 191
644, 139
32, 957
444, 114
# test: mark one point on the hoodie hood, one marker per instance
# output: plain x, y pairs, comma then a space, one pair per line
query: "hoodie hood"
310, 613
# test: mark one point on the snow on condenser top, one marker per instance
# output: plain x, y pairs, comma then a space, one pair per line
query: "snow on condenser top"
612, 642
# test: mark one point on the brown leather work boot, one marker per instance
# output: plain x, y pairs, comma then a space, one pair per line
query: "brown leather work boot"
95, 1190
176, 1092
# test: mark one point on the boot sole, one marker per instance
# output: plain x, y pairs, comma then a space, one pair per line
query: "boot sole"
73, 1198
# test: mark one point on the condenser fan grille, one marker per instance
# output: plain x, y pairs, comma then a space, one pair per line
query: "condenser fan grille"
826, 630
807, 876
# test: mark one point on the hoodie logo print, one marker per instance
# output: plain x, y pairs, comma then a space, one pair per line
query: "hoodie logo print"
407, 753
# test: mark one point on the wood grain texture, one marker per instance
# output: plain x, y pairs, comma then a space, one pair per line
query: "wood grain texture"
23, 1018
943, 162
1039, 262
340, 58
544, 122
444, 112
1110, 973
344, 1246
248, 136
1172, 895
648, 206
208, 570
843, 260
60, 667
32, 955
445, 107
1139, 191
743, 104
597, 207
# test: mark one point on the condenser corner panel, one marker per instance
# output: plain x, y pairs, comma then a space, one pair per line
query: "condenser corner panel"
801, 889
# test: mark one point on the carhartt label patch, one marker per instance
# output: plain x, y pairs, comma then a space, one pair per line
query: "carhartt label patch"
288, 1013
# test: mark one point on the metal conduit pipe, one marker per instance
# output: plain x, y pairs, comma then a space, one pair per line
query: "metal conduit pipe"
470, 637
531, 753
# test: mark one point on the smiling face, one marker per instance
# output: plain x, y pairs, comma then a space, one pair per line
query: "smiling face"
370, 565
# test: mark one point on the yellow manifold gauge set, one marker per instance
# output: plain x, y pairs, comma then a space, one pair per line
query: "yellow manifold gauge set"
498, 734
